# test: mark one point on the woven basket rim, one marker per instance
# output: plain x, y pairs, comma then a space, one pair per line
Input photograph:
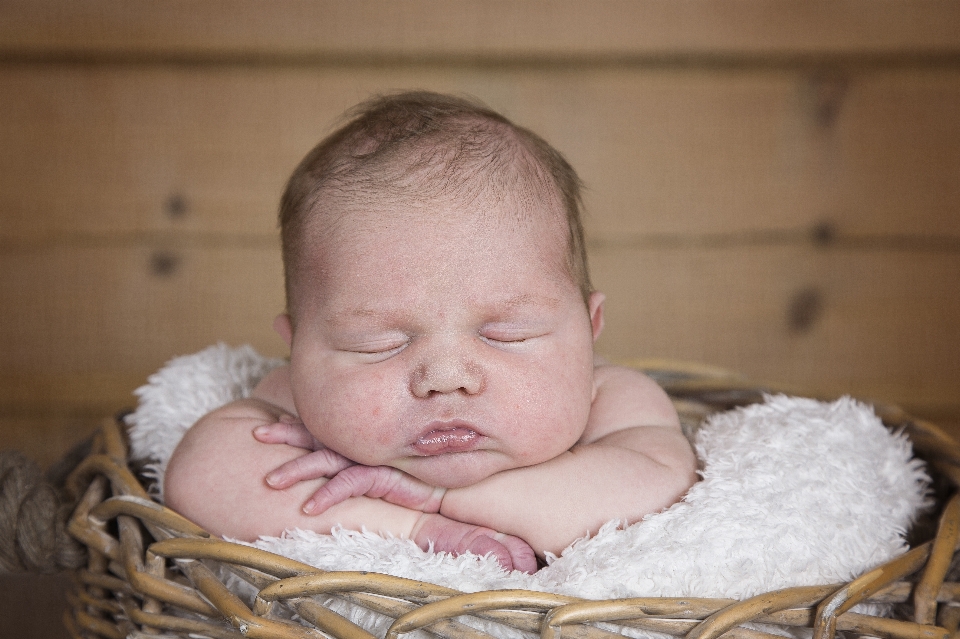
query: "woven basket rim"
151, 570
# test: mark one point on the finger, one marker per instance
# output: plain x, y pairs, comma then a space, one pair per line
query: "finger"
521, 554
512, 553
290, 433
441, 534
377, 482
320, 463
350, 482
407, 491
483, 545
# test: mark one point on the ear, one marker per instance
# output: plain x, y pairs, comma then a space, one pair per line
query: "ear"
595, 308
284, 328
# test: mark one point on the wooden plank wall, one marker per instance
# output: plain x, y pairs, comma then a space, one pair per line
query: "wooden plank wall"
774, 187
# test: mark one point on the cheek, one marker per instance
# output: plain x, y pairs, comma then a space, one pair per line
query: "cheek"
349, 411
552, 404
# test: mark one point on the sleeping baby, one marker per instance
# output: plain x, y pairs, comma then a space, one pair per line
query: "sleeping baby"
442, 385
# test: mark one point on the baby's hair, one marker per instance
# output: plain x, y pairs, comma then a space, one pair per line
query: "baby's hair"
445, 146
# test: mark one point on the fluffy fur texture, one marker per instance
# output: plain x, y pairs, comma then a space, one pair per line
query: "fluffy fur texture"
183, 391
794, 492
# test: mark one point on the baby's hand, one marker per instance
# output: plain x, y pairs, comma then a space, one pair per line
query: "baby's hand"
448, 535
347, 478
322, 462
378, 482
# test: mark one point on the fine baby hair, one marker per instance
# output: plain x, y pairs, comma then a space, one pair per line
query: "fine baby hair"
433, 146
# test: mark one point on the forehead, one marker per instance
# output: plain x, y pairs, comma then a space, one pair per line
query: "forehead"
430, 195
484, 221
395, 244
433, 184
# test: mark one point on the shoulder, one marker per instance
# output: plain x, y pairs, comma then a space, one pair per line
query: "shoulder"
610, 376
226, 428
218, 464
275, 389
626, 398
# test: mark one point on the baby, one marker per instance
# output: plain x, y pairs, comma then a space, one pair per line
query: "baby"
441, 325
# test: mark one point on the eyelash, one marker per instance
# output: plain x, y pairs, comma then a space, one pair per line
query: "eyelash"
387, 352
518, 337
504, 341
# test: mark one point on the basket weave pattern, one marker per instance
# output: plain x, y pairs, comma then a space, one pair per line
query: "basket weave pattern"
152, 572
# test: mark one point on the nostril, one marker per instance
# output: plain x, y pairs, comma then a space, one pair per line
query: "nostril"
418, 382
454, 377
474, 378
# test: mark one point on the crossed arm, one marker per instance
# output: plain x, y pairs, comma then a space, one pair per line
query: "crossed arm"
215, 478
631, 461
620, 469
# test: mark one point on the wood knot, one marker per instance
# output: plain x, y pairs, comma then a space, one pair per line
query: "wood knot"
164, 263
176, 206
804, 310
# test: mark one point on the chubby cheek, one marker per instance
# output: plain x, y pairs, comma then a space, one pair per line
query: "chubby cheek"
552, 405
353, 414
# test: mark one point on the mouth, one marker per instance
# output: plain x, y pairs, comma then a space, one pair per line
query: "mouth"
447, 437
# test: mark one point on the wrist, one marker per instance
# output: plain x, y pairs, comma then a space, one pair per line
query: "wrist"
417, 529
435, 502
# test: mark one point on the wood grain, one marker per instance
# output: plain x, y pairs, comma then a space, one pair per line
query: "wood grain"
109, 311
496, 28
886, 327
108, 155
772, 187
45, 438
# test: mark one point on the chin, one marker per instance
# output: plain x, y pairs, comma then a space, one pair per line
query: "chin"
452, 470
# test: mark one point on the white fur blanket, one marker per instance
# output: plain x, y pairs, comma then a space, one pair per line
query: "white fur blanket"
794, 492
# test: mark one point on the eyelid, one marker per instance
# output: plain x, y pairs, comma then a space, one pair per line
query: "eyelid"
385, 346
510, 334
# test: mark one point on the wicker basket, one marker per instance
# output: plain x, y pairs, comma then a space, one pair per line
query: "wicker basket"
153, 572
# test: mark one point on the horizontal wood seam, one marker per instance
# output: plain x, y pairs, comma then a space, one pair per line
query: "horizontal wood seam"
507, 60
819, 236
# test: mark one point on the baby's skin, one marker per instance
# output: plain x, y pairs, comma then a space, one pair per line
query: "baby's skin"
441, 387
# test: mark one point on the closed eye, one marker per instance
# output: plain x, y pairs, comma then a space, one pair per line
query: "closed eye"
378, 350
503, 340
509, 335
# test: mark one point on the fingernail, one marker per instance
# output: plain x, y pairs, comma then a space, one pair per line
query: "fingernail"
261, 430
273, 479
308, 507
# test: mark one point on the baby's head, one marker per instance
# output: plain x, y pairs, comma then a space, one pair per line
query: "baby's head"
441, 318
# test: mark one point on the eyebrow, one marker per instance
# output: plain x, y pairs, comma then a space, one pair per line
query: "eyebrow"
361, 312
525, 299
341, 315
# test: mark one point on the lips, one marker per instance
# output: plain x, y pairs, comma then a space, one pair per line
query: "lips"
446, 437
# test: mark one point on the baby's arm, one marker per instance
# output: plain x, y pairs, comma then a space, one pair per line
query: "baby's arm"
215, 478
632, 460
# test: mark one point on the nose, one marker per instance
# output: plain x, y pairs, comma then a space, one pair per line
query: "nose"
446, 370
